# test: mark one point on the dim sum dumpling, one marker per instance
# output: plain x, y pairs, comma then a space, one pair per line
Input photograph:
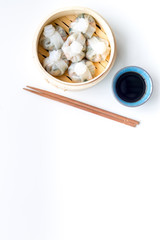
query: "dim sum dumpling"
97, 49
85, 24
81, 71
74, 47
53, 37
56, 64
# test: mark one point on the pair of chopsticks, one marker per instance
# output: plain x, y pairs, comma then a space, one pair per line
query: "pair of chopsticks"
83, 106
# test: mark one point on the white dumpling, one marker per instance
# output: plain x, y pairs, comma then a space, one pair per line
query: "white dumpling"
81, 71
74, 47
56, 64
97, 49
85, 24
53, 37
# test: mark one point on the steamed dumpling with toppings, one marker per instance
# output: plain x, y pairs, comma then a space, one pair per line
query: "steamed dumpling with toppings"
85, 24
53, 37
56, 64
81, 71
74, 47
97, 49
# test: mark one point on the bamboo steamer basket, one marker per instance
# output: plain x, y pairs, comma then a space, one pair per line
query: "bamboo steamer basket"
63, 17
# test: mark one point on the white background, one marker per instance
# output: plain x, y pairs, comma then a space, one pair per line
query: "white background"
66, 174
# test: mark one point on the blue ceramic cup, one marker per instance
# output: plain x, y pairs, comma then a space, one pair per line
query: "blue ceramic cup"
132, 86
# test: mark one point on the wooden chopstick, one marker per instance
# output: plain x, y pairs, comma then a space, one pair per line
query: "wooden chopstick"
83, 106
80, 107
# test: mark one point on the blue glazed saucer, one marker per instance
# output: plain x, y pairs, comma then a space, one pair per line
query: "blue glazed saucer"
146, 78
